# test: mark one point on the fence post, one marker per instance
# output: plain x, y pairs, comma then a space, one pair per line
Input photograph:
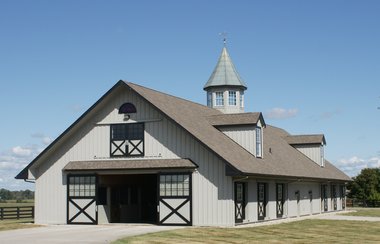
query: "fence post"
18, 212
1, 213
32, 212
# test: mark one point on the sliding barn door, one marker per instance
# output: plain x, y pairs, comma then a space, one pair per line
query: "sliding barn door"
81, 199
174, 200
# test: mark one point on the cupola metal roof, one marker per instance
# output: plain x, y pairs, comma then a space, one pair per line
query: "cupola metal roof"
225, 73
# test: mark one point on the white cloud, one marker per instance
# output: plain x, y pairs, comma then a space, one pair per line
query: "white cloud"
281, 113
352, 166
12, 161
45, 140
19, 151
9, 165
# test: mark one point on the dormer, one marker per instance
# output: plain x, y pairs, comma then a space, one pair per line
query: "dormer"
310, 145
246, 129
225, 89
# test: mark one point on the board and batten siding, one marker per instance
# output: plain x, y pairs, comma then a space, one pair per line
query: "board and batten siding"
244, 135
314, 152
212, 190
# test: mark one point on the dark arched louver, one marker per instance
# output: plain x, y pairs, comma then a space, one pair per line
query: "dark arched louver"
127, 108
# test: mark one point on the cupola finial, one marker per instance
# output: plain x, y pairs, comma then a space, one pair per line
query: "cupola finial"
224, 35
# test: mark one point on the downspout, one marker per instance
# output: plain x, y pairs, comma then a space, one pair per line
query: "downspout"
30, 181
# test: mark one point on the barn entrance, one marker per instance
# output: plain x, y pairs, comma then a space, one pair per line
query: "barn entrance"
130, 198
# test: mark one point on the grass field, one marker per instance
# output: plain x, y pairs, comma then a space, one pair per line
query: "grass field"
306, 231
16, 224
14, 203
366, 212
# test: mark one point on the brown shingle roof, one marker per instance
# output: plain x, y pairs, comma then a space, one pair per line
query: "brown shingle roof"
235, 119
306, 139
284, 160
130, 164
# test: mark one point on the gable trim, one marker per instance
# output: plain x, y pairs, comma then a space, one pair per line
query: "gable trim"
24, 172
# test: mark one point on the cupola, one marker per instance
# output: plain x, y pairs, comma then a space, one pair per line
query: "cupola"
225, 89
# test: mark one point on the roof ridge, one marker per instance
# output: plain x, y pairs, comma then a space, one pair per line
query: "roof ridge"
166, 94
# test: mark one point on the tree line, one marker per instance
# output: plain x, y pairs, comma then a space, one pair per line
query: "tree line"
365, 186
15, 195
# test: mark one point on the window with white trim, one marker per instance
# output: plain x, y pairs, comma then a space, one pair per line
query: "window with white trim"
232, 98
209, 99
219, 100
82, 186
259, 142
322, 157
241, 99
174, 185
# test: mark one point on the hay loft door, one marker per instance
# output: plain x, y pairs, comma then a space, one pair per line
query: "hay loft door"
81, 199
174, 199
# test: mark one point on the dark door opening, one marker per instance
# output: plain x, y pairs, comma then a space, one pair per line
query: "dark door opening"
133, 198
261, 201
239, 202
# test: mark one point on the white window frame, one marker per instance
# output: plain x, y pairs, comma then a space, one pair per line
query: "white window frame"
219, 101
259, 142
232, 98
241, 97
322, 157
209, 99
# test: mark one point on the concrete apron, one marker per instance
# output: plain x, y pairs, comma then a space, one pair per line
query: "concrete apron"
95, 234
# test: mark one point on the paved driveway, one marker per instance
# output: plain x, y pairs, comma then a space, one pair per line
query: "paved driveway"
77, 233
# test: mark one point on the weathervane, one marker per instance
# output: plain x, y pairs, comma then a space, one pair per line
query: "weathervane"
224, 35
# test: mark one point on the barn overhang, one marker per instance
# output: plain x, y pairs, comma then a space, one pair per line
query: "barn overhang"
135, 164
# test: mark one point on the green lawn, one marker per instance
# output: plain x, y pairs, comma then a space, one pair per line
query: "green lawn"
306, 231
16, 224
366, 212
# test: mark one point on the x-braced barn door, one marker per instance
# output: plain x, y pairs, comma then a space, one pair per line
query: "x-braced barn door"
81, 199
280, 200
334, 197
174, 199
239, 202
261, 201
324, 197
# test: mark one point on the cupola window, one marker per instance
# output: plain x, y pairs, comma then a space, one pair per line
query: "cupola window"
232, 98
209, 99
219, 99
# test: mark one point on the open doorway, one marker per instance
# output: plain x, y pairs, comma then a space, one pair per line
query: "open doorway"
132, 198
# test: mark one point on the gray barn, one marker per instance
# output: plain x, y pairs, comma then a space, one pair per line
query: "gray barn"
143, 156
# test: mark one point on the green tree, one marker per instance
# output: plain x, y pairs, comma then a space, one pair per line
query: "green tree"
5, 194
366, 186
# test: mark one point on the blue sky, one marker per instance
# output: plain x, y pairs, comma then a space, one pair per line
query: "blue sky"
310, 66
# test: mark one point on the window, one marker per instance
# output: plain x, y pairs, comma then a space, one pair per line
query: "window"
241, 99
232, 98
322, 157
127, 140
127, 108
209, 99
81, 186
174, 185
258, 142
219, 100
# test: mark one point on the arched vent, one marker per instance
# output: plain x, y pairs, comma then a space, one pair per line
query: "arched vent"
127, 108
